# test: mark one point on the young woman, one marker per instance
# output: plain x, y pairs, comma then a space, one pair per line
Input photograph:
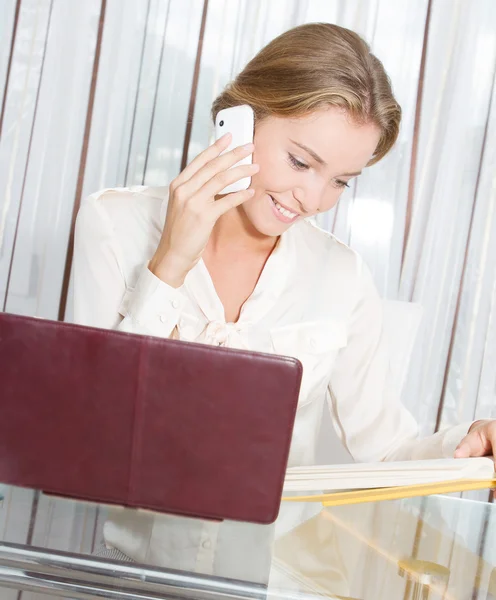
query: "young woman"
248, 270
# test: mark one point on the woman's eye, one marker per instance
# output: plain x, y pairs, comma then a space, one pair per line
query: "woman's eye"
297, 164
301, 166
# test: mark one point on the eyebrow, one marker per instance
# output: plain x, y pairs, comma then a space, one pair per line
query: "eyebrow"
320, 160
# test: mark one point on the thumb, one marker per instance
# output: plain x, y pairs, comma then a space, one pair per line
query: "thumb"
473, 444
463, 450
232, 200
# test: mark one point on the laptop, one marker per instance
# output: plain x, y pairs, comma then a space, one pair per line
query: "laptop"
144, 422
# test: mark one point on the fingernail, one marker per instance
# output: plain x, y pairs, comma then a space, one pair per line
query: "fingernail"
248, 146
255, 167
250, 191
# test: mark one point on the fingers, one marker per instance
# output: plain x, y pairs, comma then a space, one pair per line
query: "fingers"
217, 183
463, 450
473, 444
203, 158
215, 168
231, 201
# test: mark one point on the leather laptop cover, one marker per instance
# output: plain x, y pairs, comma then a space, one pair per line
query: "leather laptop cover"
144, 422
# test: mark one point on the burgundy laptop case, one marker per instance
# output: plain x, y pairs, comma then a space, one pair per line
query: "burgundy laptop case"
144, 422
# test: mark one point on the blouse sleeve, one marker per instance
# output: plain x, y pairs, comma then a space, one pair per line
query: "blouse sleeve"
102, 296
365, 406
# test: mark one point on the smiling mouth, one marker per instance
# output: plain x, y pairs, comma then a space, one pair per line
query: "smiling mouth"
289, 215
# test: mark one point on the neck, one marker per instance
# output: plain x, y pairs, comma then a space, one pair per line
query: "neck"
233, 232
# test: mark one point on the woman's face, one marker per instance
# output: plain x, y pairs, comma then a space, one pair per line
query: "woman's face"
305, 164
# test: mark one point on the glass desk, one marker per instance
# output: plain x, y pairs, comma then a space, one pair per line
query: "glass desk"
438, 547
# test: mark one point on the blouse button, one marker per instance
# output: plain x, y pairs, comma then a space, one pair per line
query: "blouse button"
207, 544
163, 318
313, 343
175, 303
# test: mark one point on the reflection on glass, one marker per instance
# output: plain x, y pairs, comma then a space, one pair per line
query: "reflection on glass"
396, 549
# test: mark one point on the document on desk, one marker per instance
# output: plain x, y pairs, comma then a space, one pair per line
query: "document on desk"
387, 480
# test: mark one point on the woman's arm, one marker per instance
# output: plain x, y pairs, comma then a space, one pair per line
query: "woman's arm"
101, 290
365, 406
152, 306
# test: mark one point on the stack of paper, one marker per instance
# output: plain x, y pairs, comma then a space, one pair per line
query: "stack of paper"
388, 480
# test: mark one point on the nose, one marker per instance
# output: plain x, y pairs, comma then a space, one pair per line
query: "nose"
309, 199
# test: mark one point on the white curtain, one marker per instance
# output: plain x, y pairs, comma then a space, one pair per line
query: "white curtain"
450, 259
423, 218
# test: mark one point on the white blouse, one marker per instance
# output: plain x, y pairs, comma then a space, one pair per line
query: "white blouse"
315, 300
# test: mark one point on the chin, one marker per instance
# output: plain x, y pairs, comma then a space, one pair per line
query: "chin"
272, 230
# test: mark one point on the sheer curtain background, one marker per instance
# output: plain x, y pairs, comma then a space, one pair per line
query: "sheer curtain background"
108, 93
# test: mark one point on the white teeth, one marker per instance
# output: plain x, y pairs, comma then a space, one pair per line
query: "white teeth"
288, 214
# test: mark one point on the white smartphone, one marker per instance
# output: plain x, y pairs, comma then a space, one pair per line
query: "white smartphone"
240, 122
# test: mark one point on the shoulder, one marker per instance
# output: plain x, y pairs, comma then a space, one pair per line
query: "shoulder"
338, 271
128, 221
129, 210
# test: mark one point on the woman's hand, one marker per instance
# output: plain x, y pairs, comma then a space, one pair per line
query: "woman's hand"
192, 210
479, 441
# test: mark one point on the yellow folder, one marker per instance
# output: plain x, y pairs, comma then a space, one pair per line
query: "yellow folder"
395, 493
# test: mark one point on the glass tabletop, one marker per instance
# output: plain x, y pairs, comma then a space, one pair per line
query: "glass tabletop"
433, 547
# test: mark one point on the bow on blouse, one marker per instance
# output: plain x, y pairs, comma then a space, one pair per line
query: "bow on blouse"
218, 333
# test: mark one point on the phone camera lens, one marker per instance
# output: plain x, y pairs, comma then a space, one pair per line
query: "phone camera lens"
221, 123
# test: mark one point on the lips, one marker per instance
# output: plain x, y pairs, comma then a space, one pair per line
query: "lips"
281, 212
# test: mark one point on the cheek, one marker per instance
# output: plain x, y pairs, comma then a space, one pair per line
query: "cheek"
330, 200
275, 174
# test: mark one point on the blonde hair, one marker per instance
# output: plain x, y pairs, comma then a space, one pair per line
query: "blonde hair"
313, 66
